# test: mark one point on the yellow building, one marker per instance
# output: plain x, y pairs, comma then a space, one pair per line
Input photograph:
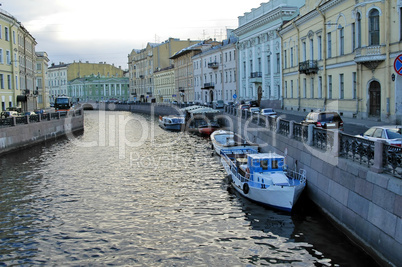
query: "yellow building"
164, 85
17, 64
42, 61
338, 55
143, 63
184, 69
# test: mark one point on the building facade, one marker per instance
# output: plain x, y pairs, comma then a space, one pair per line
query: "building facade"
183, 69
57, 80
99, 88
342, 60
143, 63
164, 85
17, 64
259, 50
215, 72
42, 87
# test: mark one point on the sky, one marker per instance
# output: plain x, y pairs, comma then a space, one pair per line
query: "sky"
107, 31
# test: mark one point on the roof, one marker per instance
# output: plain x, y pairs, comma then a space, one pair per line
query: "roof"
265, 155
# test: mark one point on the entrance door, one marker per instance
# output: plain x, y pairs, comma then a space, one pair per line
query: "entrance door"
211, 95
375, 99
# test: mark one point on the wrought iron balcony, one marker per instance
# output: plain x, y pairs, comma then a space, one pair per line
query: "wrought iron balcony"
370, 56
256, 77
208, 86
181, 89
308, 67
213, 65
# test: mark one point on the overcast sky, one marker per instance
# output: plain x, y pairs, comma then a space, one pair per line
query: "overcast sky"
107, 31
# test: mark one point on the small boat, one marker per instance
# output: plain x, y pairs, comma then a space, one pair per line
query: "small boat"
262, 177
208, 128
172, 122
227, 139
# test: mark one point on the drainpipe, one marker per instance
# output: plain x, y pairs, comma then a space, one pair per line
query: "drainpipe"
324, 57
387, 60
283, 93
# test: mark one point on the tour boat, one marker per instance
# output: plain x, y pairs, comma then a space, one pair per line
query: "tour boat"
227, 139
172, 122
262, 177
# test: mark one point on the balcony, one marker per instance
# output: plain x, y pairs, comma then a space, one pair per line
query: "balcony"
256, 77
181, 89
213, 65
370, 56
208, 86
142, 77
308, 67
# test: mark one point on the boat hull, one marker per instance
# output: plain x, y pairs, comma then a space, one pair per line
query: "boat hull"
171, 127
218, 142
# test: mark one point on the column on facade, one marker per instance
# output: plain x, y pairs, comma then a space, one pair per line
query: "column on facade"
120, 88
104, 89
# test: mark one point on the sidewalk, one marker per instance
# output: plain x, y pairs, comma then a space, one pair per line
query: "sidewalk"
369, 122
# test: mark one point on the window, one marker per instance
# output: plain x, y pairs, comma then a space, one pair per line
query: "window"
341, 42
354, 85
16, 82
269, 65
319, 40
358, 30
329, 46
320, 87
353, 37
1, 56
291, 88
1, 81
14, 37
311, 49
278, 63
304, 50
304, 88
1, 32
374, 27
251, 66
285, 52
6, 36
286, 89
9, 82
259, 64
312, 88
400, 24
341, 87
8, 57
291, 57
329, 86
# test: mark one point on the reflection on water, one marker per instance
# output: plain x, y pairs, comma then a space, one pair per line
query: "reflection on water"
160, 200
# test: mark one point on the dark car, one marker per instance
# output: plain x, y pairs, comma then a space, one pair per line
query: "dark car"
324, 119
252, 103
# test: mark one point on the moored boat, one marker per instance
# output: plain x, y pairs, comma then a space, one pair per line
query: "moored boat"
261, 177
208, 128
172, 122
226, 139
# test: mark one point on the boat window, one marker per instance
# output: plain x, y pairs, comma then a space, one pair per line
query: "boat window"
264, 164
274, 164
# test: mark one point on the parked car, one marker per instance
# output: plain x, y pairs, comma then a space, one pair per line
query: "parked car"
244, 106
254, 110
174, 102
391, 134
218, 104
7, 114
268, 112
252, 103
324, 119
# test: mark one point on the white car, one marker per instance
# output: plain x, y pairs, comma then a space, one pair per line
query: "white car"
254, 110
391, 134
268, 112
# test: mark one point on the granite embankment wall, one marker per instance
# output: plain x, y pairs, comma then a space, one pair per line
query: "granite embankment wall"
24, 135
366, 205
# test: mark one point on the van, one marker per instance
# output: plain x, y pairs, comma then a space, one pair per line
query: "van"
218, 104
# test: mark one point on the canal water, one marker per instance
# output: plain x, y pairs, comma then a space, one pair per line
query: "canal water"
126, 192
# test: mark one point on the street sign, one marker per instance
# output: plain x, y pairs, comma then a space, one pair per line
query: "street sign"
398, 64
234, 96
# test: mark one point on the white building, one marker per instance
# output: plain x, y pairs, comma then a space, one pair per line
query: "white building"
259, 50
57, 78
215, 72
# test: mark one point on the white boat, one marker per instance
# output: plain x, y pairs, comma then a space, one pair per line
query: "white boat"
227, 139
172, 122
261, 177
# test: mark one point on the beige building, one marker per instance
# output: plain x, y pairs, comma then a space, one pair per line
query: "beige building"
143, 63
338, 55
42, 88
183, 68
164, 85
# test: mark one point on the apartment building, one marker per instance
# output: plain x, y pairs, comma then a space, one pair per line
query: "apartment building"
145, 62
215, 72
42, 88
17, 61
338, 55
57, 80
259, 50
183, 69
164, 85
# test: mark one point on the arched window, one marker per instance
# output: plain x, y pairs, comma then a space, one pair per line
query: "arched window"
374, 27
359, 30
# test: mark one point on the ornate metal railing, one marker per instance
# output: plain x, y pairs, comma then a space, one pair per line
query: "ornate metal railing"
392, 160
33, 118
357, 149
300, 132
272, 123
284, 127
323, 139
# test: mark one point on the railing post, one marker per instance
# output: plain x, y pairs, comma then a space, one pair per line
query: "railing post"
58, 115
278, 125
266, 122
310, 133
39, 117
337, 144
291, 126
26, 119
13, 121
378, 166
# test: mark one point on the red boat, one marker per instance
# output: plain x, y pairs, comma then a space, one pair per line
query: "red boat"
208, 128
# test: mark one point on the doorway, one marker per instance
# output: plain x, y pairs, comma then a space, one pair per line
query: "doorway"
375, 99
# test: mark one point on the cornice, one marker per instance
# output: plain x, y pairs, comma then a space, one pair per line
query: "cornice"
265, 19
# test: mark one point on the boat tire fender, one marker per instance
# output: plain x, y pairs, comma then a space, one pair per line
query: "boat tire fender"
246, 188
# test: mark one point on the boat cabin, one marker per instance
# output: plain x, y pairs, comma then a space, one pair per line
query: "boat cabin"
265, 162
